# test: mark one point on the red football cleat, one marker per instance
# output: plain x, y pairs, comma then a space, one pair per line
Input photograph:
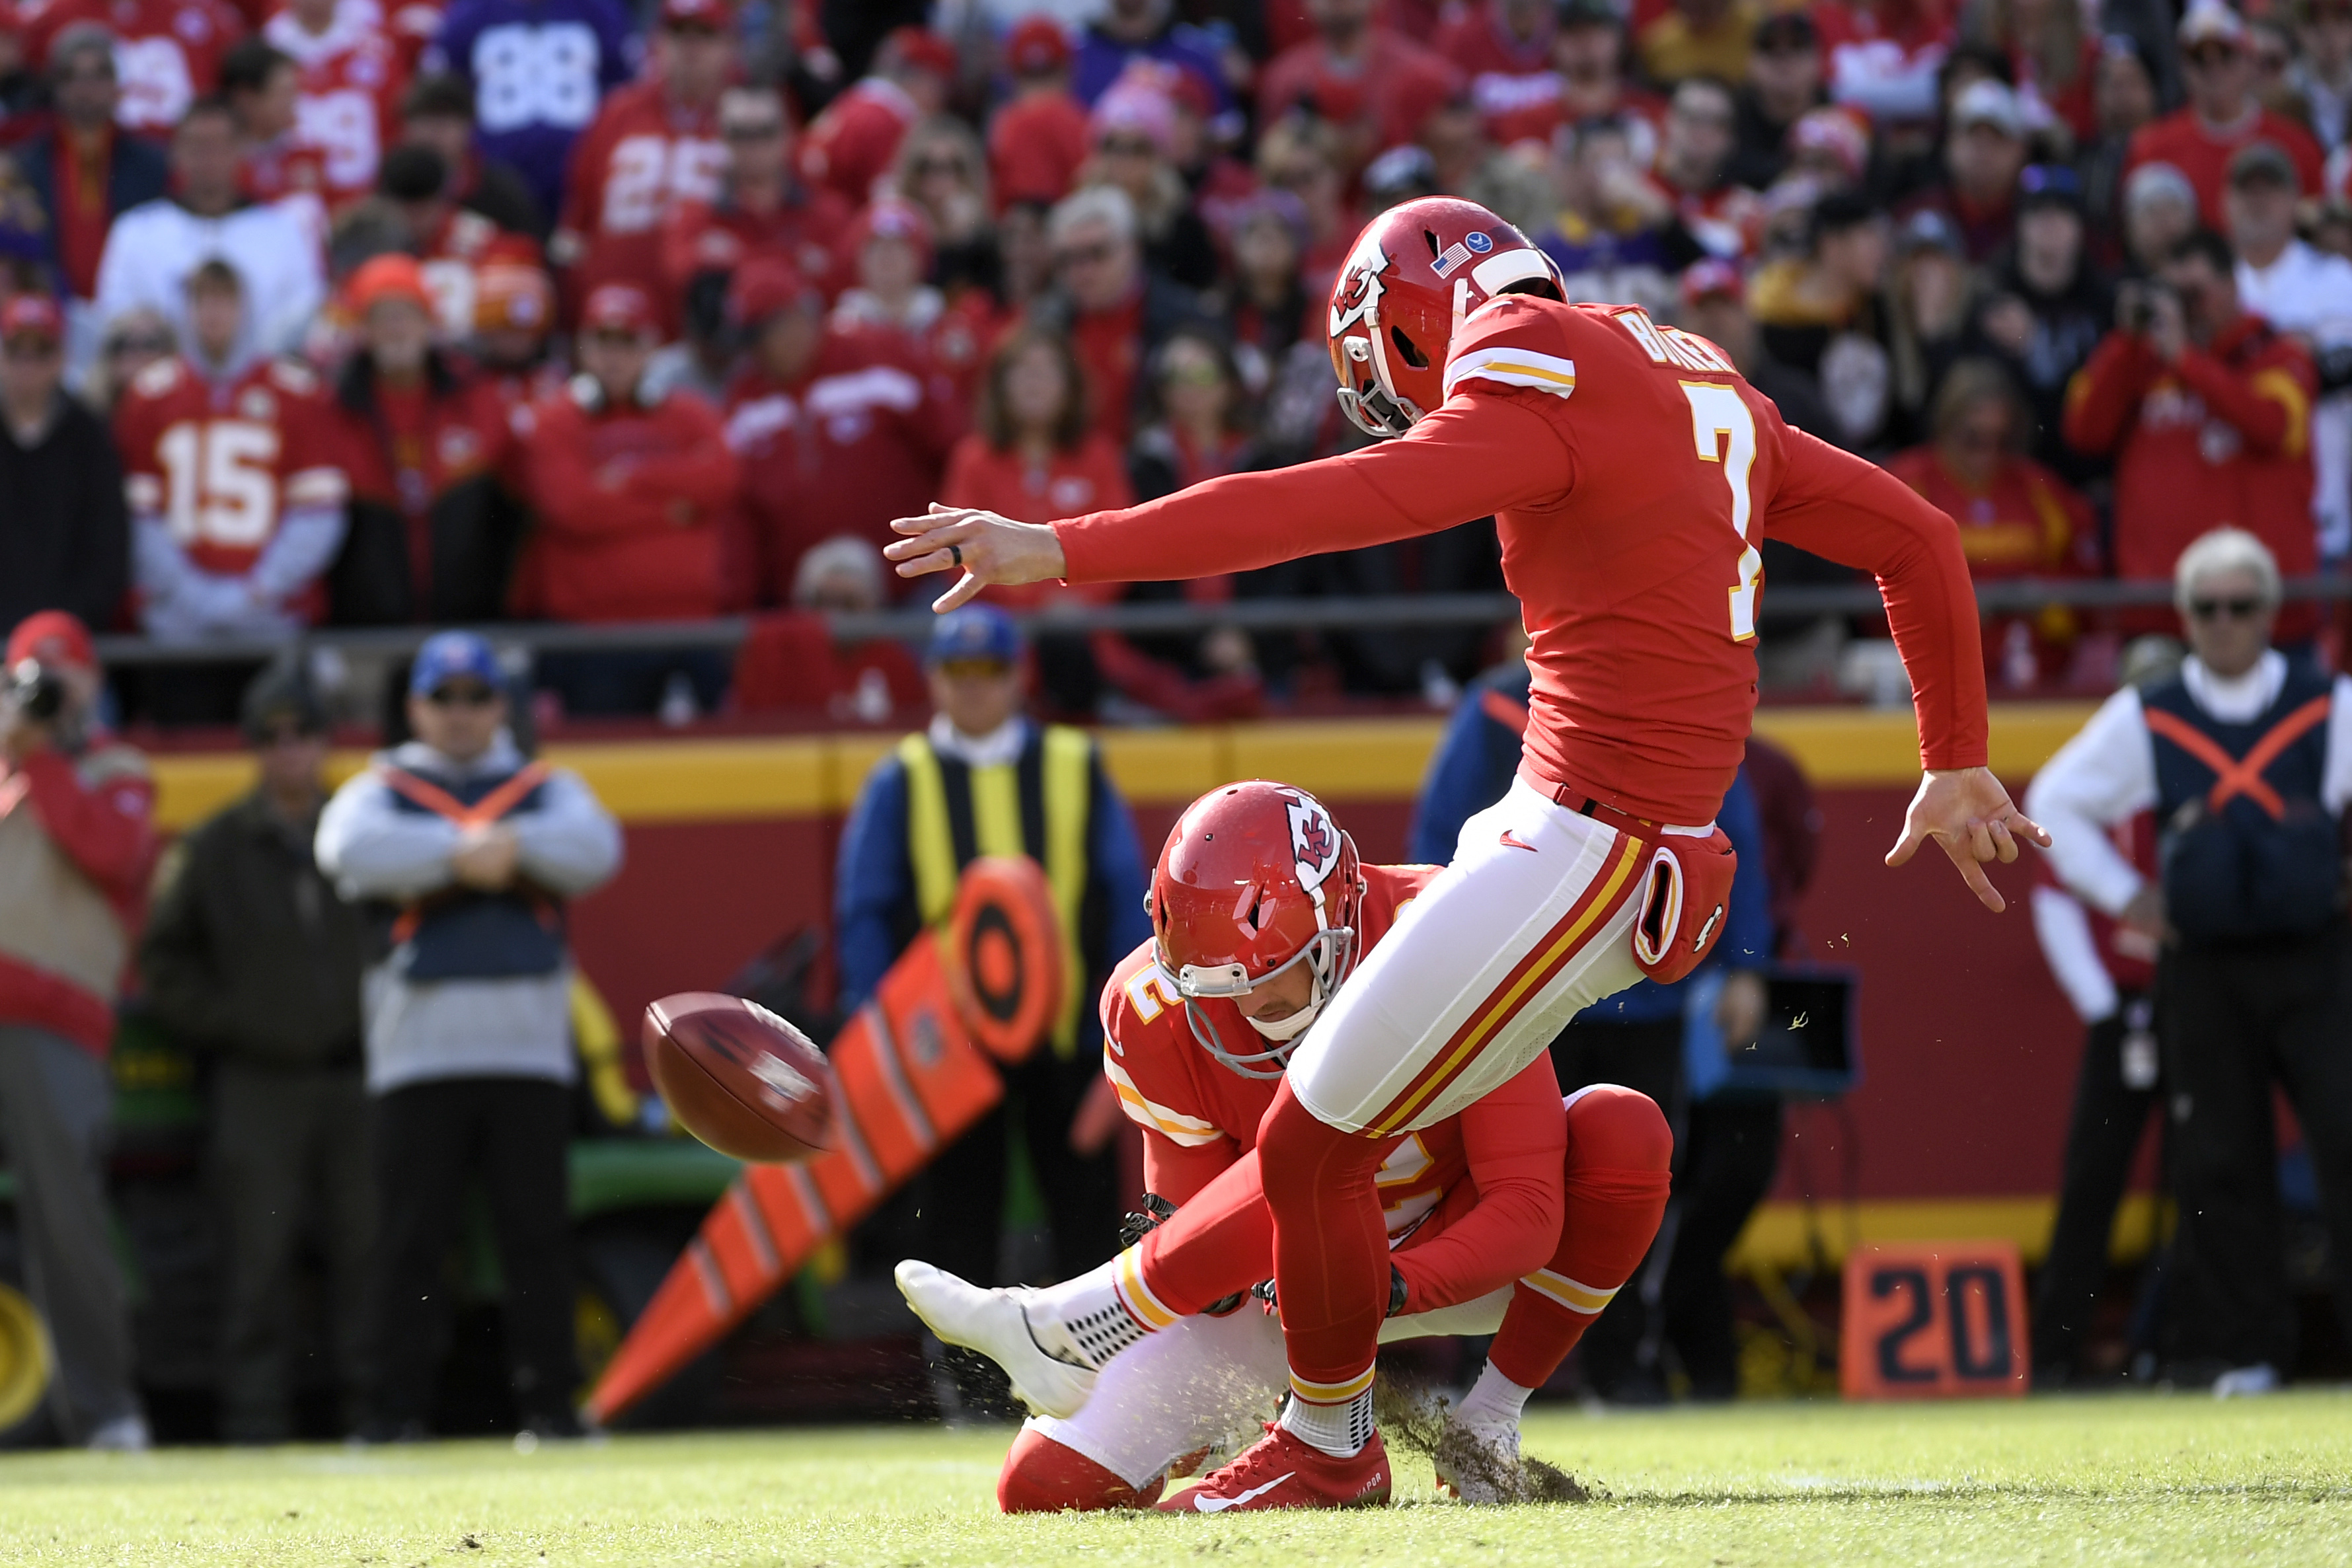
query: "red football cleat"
1281, 1470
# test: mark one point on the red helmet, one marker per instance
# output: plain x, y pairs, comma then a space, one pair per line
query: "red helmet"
1417, 269
1256, 877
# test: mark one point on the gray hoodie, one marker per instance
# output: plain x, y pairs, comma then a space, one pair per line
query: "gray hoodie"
418, 1031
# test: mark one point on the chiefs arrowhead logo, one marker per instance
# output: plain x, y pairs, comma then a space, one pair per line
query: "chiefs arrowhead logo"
1358, 293
1314, 842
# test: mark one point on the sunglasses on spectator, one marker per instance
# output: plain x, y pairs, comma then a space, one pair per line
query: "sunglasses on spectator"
2213, 609
1127, 146
156, 343
924, 168
461, 696
104, 73
753, 130
1086, 254
2208, 59
30, 346
288, 734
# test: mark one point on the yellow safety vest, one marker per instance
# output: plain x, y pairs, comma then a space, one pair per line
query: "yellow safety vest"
996, 814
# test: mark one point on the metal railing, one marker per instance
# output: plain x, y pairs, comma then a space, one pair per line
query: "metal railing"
1793, 602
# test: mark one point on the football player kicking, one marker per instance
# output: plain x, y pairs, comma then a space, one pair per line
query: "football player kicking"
1632, 474
1260, 909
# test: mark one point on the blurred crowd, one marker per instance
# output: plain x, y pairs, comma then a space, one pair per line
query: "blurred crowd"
356, 314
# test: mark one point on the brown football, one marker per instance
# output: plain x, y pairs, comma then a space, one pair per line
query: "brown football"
743, 1080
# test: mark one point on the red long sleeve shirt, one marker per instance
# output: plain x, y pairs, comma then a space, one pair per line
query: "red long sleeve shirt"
1471, 1202
1632, 473
77, 843
2222, 436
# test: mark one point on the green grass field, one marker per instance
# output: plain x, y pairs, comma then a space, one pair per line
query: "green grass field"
2138, 1479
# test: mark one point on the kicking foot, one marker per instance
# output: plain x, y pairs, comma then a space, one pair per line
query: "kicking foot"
1283, 1470
1478, 1461
995, 1323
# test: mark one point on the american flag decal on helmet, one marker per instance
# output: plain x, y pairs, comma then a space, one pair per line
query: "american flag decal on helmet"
1460, 251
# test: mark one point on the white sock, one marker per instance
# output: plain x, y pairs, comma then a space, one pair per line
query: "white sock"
1340, 1430
1084, 1321
1493, 1402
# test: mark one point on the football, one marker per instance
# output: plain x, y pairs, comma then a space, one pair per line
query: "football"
738, 1077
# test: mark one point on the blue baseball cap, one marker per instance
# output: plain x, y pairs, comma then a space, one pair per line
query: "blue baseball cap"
454, 655
974, 631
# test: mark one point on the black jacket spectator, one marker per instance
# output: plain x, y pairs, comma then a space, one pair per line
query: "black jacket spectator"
65, 536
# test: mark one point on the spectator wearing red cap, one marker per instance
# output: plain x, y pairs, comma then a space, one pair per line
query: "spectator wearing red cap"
168, 52
2223, 115
1371, 82
853, 143
633, 499
839, 427
762, 207
1133, 133
431, 537
67, 540
2017, 519
1038, 139
654, 146
348, 86
82, 170
76, 846
888, 251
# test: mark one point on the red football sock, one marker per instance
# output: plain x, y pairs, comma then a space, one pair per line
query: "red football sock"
1331, 1247
1619, 1153
1221, 1241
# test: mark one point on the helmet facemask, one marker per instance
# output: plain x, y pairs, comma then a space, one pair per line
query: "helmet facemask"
1365, 396
1328, 955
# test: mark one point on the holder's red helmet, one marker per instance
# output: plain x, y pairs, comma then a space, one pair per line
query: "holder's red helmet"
1256, 877
1417, 269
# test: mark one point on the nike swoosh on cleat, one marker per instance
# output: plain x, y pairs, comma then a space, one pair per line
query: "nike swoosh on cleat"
1219, 1504
1512, 840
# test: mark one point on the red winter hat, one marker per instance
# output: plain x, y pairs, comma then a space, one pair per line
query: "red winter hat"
710, 14
1035, 46
764, 285
1712, 278
923, 49
383, 278
889, 217
54, 637
32, 313
618, 306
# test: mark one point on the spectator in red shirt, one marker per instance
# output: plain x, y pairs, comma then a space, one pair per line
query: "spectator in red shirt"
839, 429
348, 88
633, 499
1725, 218
1114, 309
790, 660
853, 143
1038, 139
889, 251
653, 146
1035, 456
2055, 61
1503, 47
759, 208
168, 52
1589, 53
1373, 84
1885, 56
2017, 519
431, 537
2222, 114
2207, 412
262, 89
82, 171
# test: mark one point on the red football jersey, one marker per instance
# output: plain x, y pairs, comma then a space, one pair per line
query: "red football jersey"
700, 237
1632, 474
854, 140
222, 462
351, 79
1198, 1115
642, 158
167, 53
453, 256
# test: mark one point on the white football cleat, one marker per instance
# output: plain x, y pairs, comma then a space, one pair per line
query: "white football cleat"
1478, 1461
995, 1323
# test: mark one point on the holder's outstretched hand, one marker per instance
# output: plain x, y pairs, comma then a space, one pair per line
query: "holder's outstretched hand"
1968, 813
987, 549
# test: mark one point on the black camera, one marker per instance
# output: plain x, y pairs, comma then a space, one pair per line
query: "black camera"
35, 690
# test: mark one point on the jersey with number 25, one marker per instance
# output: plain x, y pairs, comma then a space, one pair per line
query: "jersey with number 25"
1633, 475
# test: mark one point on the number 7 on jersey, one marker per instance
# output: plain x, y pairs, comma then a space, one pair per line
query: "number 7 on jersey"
1717, 410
